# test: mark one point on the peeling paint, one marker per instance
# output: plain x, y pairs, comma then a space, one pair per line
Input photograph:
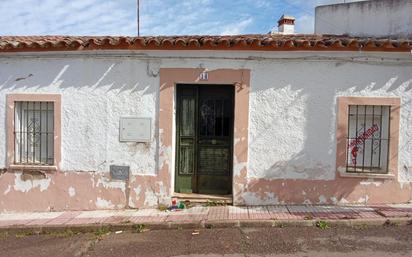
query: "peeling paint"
27, 185
108, 184
150, 198
137, 191
322, 199
252, 198
71, 191
104, 204
7, 190
307, 201
363, 200
367, 183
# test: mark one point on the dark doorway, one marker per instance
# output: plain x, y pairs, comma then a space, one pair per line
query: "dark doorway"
204, 139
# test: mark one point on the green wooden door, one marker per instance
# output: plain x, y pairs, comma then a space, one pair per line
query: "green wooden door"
204, 125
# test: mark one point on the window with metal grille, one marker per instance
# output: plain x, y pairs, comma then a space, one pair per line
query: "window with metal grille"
368, 139
34, 133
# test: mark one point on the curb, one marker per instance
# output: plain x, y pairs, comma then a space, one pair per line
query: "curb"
84, 228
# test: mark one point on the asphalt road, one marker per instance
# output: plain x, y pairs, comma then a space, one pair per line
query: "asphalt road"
286, 241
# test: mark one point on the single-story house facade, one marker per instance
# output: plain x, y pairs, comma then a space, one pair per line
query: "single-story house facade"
129, 122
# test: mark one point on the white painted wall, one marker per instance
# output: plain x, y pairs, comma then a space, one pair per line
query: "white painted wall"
95, 94
292, 103
293, 114
366, 18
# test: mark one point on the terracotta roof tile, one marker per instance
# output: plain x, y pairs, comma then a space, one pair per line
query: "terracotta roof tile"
261, 42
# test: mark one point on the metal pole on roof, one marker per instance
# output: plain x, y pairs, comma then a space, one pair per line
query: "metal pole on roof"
138, 18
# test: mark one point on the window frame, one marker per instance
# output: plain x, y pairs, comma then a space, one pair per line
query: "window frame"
35, 97
359, 137
342, 134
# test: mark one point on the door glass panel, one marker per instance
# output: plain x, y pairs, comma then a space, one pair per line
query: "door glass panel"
215, 118
213, 160
207, 117
187, 117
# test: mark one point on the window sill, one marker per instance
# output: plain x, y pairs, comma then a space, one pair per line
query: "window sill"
43, 168
363, 175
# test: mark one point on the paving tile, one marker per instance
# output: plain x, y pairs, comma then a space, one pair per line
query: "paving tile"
364, 212
367, 215
218, 213
278, 212
301, 212
277, 208
342, 209
390, 212
147, 212
238, 213
197, 210
58, 221
328, 212
98, 214
30, 215
196, 213
259, 213
315, 209
117, 220
299, 208
6, 223
69, 215
334, 215
300, 216
63, 218
187, 217
148, 219
199, 213
360, 208
38, 222
280, 216
78, 221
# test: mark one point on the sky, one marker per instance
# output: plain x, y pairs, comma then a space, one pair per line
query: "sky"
157, 17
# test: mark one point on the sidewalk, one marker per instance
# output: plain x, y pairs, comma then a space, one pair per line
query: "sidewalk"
219, 216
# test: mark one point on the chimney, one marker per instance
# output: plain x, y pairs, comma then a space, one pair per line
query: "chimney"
286, 25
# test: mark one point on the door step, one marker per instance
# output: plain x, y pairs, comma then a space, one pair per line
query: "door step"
204, 199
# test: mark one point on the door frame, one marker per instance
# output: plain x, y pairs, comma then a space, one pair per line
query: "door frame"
195, 184
169, 77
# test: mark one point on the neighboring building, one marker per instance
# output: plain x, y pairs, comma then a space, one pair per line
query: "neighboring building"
375, 18
261, 119
286, 26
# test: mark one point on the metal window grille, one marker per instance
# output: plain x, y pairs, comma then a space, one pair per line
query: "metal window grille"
34, 133
368, 139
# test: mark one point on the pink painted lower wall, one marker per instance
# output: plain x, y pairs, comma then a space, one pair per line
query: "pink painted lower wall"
91, 191
338, 191
55, 192
34, 191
